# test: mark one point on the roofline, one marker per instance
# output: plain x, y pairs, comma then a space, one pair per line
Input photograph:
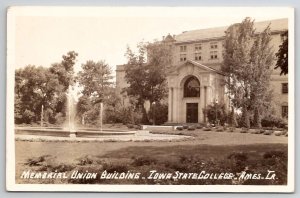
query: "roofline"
221, 38
206, 67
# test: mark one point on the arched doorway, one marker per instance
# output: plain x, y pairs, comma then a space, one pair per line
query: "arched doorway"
191, 90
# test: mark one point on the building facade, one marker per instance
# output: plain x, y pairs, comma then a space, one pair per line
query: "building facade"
195, 79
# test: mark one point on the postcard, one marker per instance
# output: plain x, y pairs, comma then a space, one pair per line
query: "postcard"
150, 99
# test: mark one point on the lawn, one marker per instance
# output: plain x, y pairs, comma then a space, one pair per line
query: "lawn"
211, 152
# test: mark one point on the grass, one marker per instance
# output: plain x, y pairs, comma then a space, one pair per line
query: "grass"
254, 158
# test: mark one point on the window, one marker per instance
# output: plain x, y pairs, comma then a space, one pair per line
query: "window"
213, 55
284, 111
192, 87
213, 45
182, 57
285, 88
198, 56
183, 48
198, 47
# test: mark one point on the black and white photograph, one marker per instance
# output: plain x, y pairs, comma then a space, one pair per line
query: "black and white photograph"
150, 99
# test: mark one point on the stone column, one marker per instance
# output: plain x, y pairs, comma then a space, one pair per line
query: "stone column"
175, 105
170, 105
208, 95
202, 103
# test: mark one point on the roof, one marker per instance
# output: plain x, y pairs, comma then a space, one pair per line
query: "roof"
205, 67
211, 33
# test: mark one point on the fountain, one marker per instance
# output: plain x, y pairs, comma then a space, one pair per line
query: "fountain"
71, 113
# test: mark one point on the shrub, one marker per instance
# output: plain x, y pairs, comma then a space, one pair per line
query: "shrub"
216, 113
161, 113
130, 126
278, 133
85, 160
144, 160
275, 154
220, 129
179, 128
273, 121
244, 130
268, 132
191, 128
138, 127
206, 129
36, 161
231, 129
199, 126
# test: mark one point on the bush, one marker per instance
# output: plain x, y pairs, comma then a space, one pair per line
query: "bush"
268, 132
185, 126
85, 160
161, 113
130, 126
144, 160
219, 129
216, 113
179, 128
244, 130
191, 128
273, 121
231, 129
199, 126
206, 129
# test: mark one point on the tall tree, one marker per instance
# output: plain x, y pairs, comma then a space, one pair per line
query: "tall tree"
282, 55
34, 87
65, 69
96, 80
146, 79
247, 65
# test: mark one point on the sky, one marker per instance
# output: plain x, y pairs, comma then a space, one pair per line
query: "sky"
43, 35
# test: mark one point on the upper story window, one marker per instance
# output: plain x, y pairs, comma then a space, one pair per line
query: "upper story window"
285, 88
183, 48
198, 47
192, 87
213, 55
198, 57
182, 57
213, 45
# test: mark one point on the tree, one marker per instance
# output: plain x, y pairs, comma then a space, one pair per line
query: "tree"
216, 113
34, 87
65, 69
96, 80
147, 80
247, 65
282, 55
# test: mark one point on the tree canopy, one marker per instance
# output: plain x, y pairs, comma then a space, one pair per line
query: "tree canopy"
248, 60
283, 55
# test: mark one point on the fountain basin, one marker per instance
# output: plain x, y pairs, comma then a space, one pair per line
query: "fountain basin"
61, 132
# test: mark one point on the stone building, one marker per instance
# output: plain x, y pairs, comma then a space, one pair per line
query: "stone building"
195, 80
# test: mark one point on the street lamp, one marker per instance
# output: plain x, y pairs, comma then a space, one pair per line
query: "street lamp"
153, 105
216, 103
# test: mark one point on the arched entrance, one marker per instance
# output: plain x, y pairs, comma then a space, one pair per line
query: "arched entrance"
191, 93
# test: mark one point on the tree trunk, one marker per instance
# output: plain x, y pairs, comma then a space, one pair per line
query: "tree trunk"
245, 118
257, 118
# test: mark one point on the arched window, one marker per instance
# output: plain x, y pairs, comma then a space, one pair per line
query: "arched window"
192, 87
